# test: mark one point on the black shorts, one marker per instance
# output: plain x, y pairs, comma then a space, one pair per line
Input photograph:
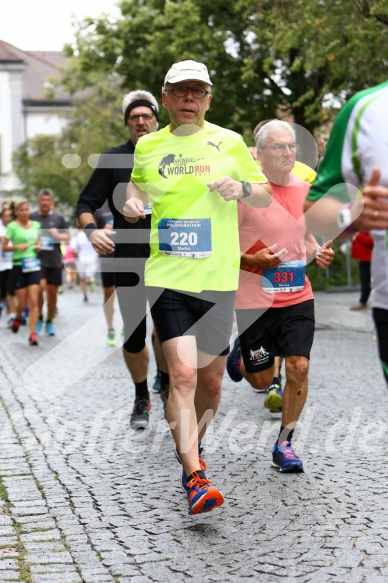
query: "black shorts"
265, 334
5, 283
22, 280
132, 298
380, 318
107, 271
177, 313
108, 279
52, 275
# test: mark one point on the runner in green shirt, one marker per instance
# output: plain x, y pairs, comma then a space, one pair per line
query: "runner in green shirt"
22, 237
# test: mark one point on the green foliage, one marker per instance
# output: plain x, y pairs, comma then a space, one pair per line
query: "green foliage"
94, 124
150, 36
313, 49
267, 58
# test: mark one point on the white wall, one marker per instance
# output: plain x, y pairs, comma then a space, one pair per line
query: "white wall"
11, 117
44, 122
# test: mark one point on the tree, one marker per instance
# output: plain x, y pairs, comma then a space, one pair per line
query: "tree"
151, 35
267, 58
65, 162
264, 55
315, 49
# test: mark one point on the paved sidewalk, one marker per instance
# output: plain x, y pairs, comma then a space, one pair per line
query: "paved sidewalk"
86, 499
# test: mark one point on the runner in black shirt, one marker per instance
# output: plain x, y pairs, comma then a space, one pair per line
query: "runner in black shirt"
54, 233
128, 242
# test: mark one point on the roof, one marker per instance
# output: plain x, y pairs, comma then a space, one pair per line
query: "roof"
39, 67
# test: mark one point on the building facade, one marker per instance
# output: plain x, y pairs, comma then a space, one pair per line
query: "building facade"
25, 110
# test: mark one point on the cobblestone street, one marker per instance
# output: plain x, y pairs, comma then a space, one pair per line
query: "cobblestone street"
85, 499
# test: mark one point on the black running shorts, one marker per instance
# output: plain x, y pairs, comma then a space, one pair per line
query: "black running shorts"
272, 332
207, 315
22, 280
52, 275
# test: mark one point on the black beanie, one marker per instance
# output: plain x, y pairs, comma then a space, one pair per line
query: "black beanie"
137, 103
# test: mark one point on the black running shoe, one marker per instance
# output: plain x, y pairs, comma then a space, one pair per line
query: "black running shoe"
15, 326
140, 416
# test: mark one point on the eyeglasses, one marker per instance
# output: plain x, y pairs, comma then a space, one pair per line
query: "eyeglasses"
182, 91
145, 116
282, 148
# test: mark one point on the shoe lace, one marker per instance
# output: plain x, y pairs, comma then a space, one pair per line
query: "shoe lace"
202, 464
287, 450
198, 482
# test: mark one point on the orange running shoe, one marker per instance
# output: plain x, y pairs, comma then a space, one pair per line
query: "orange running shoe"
201, 495
33, 340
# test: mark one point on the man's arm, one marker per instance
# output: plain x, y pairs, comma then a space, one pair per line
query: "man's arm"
231, 189
370, 212
61, 234
323, 255
135, 203
264, 258
92, 198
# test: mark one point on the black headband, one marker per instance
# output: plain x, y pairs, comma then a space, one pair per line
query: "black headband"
137, 103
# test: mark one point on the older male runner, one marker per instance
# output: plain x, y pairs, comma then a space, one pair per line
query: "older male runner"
193, 173
274, 304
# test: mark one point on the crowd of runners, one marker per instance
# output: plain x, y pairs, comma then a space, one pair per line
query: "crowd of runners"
191, 221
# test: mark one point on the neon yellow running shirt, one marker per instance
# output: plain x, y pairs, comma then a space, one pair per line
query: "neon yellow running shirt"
194, 232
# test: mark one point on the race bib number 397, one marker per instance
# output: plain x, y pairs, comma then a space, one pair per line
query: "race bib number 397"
288, 277
185, 237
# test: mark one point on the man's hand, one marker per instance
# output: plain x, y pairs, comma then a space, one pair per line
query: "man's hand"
54, 233
325, 255
373, 214
133, 210
265, 258
228, 188
101, 241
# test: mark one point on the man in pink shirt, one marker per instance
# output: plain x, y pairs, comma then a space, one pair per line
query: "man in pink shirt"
275, 302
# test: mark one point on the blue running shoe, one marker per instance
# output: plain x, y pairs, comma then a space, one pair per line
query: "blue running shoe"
273, 398
39, 326
233, 366
285, 459
49, 328
201, 495
202, 465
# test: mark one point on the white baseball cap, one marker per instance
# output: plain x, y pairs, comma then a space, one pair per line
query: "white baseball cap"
187, 71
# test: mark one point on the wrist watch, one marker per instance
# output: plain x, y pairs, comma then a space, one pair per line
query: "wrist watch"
247, 188
90, 227
345, 219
